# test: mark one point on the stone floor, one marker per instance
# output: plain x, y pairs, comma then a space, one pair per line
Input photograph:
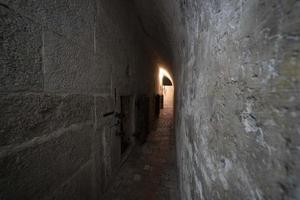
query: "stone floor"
150, 171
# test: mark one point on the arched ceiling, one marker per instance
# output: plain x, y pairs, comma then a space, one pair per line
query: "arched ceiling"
156, 19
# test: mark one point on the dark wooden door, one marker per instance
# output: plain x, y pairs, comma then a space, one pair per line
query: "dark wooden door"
142, 118
125, 122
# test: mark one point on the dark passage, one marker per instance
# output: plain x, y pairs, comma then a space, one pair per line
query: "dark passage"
86, 99
150, 171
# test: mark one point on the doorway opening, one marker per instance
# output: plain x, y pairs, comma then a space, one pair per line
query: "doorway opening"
126, 123
166, 87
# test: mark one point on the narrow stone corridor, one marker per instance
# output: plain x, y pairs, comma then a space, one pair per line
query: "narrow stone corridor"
87, 90
150, 171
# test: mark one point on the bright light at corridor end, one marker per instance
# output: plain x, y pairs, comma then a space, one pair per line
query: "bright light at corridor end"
162, 73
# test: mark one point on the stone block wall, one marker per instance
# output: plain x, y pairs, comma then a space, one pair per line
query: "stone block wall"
236, 72
63, 65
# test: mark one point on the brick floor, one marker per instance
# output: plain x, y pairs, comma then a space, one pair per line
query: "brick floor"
150, 171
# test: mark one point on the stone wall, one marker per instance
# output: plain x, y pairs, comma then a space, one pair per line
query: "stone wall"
237, 78
236, 73
63, 65
236, 68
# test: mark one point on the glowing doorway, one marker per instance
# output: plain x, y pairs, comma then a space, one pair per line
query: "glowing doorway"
166, 87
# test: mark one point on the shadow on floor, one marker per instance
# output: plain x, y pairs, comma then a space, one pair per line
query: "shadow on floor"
150, 171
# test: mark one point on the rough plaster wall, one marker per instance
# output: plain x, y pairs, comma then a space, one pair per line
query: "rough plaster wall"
60, 64
237, 89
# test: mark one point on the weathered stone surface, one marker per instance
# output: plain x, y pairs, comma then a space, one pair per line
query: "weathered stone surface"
104, 62
36, 171
78, 187
107, 141
26, 116
99, 161
74, 53
105, 111
68, 66
238, 100
20, 53
103, 142
71, 19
